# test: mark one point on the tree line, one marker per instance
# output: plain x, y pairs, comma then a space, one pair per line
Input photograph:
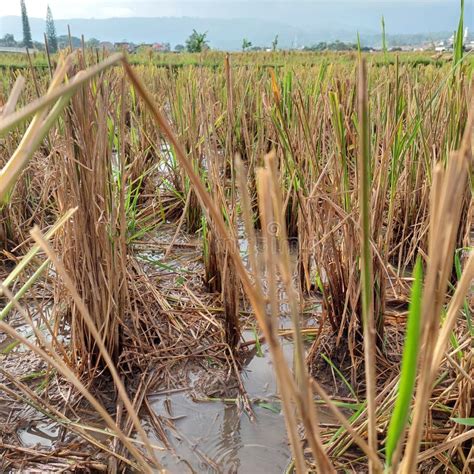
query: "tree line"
195, 43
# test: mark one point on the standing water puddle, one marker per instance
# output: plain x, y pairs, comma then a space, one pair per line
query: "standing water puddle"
220, 437
217, 436
39, 434
224, 433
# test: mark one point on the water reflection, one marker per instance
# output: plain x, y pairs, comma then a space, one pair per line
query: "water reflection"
224, 435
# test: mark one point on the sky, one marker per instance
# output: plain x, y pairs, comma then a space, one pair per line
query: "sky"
144, 8
227, 21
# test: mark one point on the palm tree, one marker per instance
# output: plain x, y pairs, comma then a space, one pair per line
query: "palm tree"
196, 42
246, 44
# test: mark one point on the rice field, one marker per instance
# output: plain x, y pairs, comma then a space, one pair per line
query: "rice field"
256, 262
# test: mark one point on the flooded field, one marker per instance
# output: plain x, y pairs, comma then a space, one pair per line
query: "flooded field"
237, 264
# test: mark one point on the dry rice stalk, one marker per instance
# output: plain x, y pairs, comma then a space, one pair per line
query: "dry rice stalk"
366, 259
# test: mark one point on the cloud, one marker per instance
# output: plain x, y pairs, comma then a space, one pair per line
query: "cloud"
114, 12
75, 9
220, 8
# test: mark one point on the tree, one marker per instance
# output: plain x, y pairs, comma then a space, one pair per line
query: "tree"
8, 40
246, 44
196, 42
275, 43
92, 43
27, 41
63, 41
51, 31
179, 48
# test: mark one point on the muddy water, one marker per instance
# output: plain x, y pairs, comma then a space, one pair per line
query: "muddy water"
219, 437
213, 436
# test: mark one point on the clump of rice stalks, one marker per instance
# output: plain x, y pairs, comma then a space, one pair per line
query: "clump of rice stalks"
220, 274
93, 244
186, 114
58, 97
330, 243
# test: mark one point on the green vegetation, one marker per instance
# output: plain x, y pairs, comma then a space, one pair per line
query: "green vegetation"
196, 42
27, 40
51, 32
215, 59
246, 44
407, 382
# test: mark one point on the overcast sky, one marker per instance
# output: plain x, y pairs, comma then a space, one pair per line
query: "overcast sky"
144, 8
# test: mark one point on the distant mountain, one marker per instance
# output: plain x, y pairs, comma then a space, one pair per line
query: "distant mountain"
303, 23
222, 33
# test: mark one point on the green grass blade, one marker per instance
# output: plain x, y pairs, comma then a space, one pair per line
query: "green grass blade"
464, 421
341, 376
4, 312
458, 40
406, 385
